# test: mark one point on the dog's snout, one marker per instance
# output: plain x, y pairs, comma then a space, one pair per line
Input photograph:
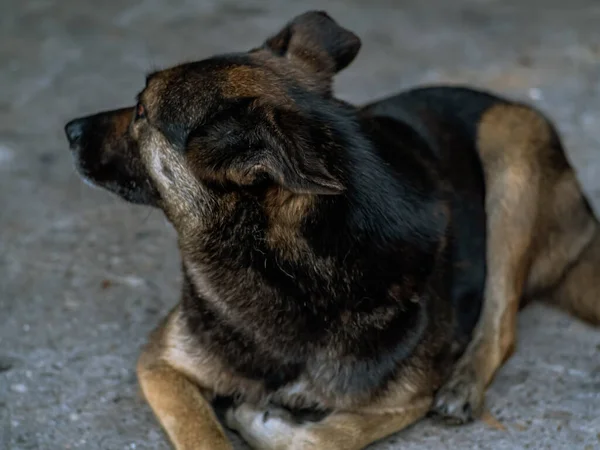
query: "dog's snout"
74, 130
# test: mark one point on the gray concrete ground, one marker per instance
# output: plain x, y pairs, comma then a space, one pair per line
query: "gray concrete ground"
84, 277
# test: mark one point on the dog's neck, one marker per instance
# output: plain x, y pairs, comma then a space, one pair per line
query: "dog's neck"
292, 259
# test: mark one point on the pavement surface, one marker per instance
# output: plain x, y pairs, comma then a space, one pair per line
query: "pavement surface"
85, 277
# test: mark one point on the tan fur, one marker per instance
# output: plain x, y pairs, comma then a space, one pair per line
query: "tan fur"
180, 353
121, 122
577, 291
565, 228
152, 93
285, 211
179, 404
510, 140
246, 82
179, 380
404, 402
178, 186
275, 430
312, 81
537, 228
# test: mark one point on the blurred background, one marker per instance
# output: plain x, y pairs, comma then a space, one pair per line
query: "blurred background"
84, 277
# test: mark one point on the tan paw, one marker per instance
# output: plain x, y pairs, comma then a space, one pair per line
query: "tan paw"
460, 399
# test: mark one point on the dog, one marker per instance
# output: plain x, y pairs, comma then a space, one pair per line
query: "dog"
346, 270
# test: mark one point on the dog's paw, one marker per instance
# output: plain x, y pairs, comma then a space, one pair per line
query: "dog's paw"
263, 428
246, 415
241, 416
460, 399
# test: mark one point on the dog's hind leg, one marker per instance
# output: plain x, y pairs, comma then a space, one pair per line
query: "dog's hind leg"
511, 139
578, 292
566, 263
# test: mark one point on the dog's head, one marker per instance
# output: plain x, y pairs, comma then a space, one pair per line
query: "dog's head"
231, 121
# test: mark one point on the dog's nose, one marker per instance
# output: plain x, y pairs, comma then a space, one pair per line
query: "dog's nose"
74, 130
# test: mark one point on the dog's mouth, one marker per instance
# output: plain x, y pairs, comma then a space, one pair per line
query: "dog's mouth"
81, 169
106, 161
107, 178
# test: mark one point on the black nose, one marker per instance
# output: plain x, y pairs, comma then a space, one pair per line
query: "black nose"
74, 130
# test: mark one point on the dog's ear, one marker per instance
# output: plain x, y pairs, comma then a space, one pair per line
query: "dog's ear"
316, 42
278, 145
295, 155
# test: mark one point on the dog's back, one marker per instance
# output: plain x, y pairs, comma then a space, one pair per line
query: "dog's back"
442, 122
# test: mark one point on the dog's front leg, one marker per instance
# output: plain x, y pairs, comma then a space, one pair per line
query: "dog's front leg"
181, 408
272, 428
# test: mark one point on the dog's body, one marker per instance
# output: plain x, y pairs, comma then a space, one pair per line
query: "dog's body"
364, 264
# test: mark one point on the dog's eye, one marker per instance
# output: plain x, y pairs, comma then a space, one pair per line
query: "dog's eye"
140, 111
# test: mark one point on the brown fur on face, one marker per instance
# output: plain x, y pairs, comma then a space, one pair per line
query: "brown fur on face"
246, 82
285, 213
345, 269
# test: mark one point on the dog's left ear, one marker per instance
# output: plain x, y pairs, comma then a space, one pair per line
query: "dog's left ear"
316, 42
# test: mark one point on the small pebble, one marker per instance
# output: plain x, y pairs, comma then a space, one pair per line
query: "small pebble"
20, 388
588, 119
6, 154
6, 363
535, 94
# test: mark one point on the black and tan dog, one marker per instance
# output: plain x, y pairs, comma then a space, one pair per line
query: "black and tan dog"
364, 265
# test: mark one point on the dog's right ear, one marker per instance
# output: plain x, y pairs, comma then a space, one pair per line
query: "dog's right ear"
255, 143
316, 42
